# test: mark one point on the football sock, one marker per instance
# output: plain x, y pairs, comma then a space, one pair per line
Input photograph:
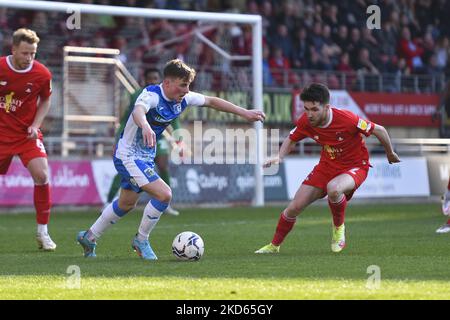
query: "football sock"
42, 229
150, 218
110, 215
42, 203
284, 226
338, 210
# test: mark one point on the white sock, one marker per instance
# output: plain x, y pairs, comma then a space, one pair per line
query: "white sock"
42, 229
149, 219
104, 222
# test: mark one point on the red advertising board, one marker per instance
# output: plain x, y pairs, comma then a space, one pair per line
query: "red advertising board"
399, 109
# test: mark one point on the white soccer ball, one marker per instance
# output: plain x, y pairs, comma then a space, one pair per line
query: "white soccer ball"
188, 246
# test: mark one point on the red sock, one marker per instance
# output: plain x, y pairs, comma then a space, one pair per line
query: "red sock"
42, 203
448, 221
284, 226
338, 211
448, 187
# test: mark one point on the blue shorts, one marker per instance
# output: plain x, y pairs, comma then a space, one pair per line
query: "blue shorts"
135, 173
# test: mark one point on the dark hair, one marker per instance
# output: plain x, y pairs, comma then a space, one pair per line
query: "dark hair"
316, 92
178, 69
152, 70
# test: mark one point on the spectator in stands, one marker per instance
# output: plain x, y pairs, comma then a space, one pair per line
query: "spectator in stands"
267, 75
330, 49
300, 49
354, 45
386, 38
341, 37
331, 18
442, 52
279, 64
363, 64
366, 71
289, 16
316, 39
282, 40
345, 68
268, 20
410, 50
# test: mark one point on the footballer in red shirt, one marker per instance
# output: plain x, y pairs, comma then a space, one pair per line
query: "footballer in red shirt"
343, 166
25, 89
445, 210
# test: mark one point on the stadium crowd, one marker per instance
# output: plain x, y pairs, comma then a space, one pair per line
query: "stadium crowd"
329, 36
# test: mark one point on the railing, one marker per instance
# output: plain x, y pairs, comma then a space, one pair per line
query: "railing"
358, 81
83, 147
214, 77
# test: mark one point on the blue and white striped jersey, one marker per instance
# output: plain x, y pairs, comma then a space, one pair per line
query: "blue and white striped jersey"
160, 112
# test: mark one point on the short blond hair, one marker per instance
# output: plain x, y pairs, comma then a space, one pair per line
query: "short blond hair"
24, 34
178, 69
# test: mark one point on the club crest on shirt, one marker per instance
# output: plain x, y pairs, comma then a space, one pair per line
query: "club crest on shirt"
177, 108
29, 87
149, 172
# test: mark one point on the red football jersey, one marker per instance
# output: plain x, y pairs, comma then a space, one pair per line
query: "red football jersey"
342, 144
19, 93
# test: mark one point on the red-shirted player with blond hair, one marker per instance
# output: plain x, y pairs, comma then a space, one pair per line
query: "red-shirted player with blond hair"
25, 89
343, 166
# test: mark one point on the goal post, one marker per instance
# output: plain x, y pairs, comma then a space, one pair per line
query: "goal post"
254, 21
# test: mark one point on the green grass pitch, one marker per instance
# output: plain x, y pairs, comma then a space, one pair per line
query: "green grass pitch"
397, 240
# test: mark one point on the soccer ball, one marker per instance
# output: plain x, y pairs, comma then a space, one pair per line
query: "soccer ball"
188, 246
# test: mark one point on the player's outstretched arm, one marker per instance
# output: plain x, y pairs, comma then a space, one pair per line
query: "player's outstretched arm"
382, 135
285, 149
226, 106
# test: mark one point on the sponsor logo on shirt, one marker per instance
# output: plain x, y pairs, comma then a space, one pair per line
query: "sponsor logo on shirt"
8, 103
332, 151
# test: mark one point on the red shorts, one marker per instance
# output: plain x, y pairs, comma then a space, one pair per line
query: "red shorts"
321, 175
27, 150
